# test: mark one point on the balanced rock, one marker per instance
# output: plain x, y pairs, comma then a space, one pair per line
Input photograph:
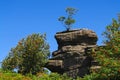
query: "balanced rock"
71, 57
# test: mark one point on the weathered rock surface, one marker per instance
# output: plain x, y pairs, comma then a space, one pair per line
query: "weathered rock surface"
76, 37
71, 57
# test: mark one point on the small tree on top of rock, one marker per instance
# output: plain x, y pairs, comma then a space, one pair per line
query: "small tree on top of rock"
68, 21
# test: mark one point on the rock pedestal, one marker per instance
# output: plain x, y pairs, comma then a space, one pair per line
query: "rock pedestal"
71, 57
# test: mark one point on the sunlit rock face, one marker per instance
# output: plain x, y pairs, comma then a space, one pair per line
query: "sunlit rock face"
71, 57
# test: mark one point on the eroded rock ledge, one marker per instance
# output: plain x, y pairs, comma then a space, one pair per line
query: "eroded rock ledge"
71, 57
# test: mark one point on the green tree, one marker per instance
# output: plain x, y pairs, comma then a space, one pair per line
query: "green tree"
68, 21
112, 37
108, 56
29, 56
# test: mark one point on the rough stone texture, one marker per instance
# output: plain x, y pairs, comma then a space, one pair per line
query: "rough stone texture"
72, 54
76, 37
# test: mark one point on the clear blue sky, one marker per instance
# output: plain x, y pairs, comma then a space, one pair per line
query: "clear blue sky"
19, 18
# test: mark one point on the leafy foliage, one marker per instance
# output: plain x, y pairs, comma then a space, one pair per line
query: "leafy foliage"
108, 56
29, 56
112, 41
8, 75
68, 21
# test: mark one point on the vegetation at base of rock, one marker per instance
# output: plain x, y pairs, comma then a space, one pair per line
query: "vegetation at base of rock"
29, 56
8, 75
68, 21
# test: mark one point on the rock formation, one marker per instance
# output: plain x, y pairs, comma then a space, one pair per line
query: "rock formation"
72, 55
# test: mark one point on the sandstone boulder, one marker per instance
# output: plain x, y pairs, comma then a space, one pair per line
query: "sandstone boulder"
72, 54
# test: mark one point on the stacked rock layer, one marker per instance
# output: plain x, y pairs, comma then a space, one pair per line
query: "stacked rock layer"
71, 57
